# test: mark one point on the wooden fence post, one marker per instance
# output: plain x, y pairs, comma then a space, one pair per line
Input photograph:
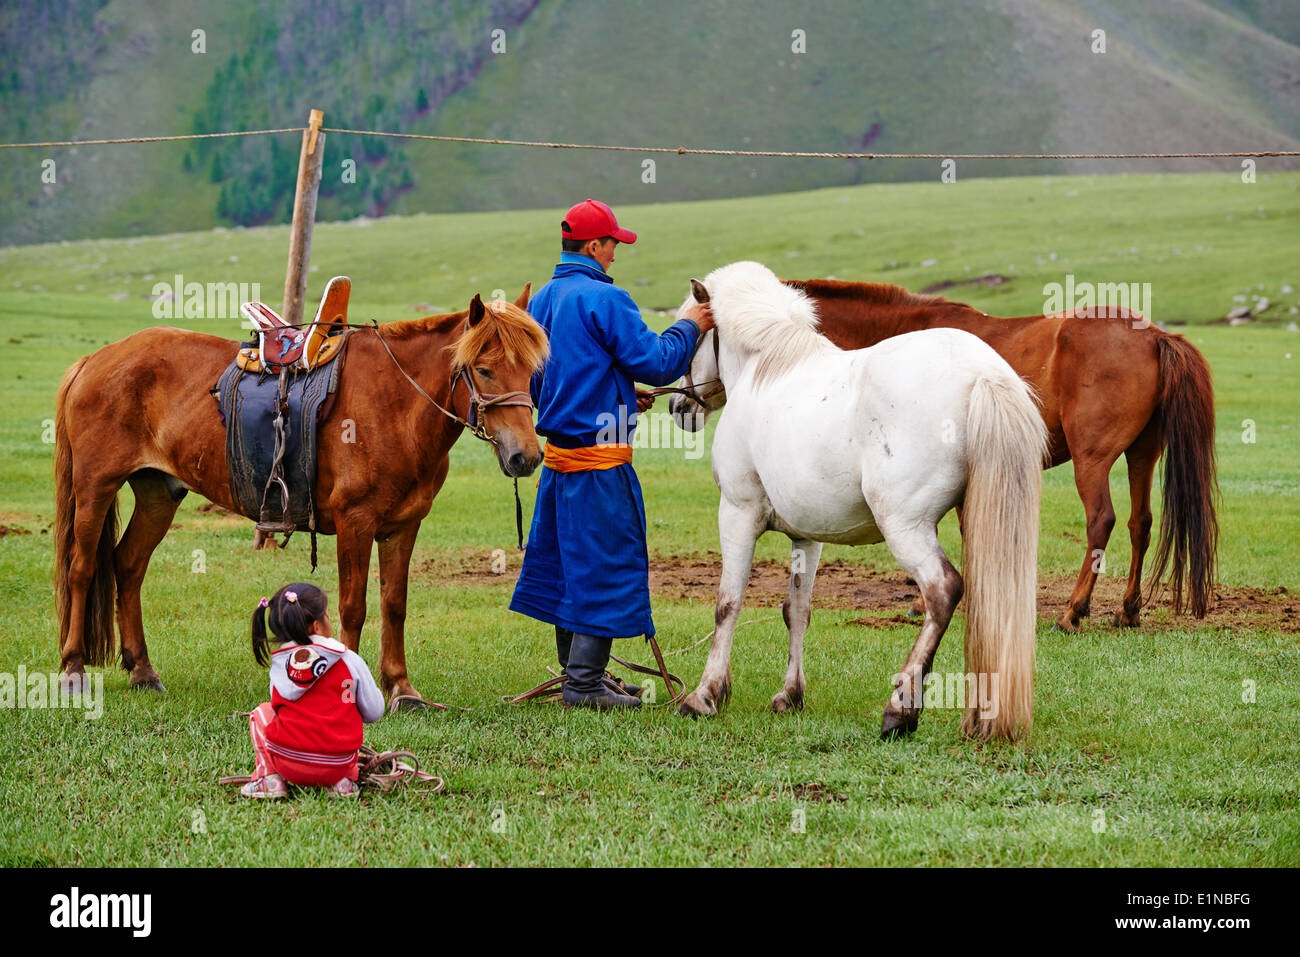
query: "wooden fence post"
304, 217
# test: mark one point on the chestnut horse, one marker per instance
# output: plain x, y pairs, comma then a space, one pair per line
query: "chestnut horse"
138, 411
1109, 386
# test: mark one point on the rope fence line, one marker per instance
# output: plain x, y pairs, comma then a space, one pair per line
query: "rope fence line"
678, 150
150, 139
796, 154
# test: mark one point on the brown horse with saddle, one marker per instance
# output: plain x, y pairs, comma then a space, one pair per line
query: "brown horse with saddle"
1109, 385
142, 411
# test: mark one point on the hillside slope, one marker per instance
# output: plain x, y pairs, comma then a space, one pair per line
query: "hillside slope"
923, 76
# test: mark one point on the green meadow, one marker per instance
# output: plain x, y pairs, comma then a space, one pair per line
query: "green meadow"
1175, 743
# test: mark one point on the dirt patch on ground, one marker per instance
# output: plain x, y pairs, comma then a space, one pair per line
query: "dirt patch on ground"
13, 530
884, 597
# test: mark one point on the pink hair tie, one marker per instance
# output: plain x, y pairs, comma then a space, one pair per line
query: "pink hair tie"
291, 596
263, 602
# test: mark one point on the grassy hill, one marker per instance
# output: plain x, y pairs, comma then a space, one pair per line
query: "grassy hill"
1004, 76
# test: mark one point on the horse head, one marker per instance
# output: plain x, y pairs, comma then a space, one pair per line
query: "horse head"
494, 360
703, 392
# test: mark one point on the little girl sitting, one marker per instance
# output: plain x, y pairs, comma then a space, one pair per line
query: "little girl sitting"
321, 692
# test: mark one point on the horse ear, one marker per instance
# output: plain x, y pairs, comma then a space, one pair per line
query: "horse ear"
522, 301
699, 292
476, 310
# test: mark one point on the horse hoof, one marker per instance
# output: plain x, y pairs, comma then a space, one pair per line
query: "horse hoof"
784, 701
1123, 621
148, 684
695, 706
412, 702
897, 724
75, 682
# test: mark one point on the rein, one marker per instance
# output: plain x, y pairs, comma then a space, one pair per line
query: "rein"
480, 402
690, 390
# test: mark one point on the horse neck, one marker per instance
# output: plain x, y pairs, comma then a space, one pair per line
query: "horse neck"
422, 354
855, 318
857, 325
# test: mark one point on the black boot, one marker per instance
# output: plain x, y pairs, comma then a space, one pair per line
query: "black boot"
563, 641
586, 687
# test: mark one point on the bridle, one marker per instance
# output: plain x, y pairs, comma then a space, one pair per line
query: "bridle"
718, 387
691, 389
479, 403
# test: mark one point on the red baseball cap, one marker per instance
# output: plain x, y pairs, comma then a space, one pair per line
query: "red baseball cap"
592, 219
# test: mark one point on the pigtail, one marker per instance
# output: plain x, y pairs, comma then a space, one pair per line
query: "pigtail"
260, 653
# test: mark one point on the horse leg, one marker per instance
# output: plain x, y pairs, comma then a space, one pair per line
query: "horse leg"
1092, 479
918, 607
92, 510
739, 529
1141, 456
917, 550
394, 568
150, 521
356, 536
797, 612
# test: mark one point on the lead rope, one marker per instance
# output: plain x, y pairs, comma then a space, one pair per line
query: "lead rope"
519, 517
549, 690
381, 770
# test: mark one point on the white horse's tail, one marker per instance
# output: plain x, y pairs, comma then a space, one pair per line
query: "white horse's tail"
1008, 443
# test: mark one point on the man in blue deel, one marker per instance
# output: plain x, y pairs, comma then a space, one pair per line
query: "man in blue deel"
586, 570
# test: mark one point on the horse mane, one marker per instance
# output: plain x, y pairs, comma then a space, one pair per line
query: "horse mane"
870, 293
765, 317
504, 328
504, 331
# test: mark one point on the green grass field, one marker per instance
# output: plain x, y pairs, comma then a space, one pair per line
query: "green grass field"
1143, 750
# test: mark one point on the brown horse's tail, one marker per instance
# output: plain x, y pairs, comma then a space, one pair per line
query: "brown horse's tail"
100, 595
1189, 528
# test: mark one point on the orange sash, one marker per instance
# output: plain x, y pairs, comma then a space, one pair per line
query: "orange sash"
593, 458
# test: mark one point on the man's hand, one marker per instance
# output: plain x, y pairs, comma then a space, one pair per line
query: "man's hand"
702, 313
644, 400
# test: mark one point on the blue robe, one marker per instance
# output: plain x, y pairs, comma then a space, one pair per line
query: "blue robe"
586, 567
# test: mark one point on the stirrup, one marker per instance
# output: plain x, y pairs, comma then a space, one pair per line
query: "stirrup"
288, 528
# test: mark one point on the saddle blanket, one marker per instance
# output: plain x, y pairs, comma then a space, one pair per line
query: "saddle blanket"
248, 404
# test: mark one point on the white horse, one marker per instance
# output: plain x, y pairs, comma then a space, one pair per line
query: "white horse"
868, 446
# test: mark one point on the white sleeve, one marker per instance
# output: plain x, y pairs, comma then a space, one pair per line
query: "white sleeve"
370, 700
